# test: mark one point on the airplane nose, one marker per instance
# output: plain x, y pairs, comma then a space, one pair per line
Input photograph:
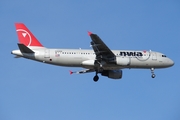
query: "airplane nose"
171, 62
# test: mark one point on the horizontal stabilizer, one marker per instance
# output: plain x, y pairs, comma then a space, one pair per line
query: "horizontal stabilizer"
24, 49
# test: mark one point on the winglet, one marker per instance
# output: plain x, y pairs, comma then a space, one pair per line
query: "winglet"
89, 33
71, 72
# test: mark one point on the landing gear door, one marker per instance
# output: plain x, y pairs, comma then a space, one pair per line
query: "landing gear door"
154, 56
46, 53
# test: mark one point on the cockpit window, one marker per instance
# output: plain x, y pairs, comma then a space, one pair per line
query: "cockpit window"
163, 55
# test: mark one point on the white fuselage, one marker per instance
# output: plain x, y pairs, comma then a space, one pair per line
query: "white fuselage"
85, 58
100, 59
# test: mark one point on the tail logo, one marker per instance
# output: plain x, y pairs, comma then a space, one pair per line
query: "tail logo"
23, 35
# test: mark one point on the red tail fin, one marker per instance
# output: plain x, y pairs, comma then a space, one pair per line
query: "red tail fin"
25, 36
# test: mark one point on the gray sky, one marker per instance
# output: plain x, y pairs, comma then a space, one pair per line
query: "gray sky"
34, 91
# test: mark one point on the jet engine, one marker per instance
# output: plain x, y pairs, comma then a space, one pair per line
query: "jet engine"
114, 74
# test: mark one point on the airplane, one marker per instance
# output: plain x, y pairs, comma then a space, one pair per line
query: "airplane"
100, 60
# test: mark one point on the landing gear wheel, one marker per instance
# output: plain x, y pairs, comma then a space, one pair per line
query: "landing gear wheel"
153, 76
152, 72
96, 78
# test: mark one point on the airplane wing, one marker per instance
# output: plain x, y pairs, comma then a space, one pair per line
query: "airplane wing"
82, 71
101, 50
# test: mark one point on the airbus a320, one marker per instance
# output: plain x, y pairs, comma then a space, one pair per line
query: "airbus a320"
100, 60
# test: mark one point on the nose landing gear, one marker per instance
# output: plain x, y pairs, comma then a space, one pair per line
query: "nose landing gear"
152, 72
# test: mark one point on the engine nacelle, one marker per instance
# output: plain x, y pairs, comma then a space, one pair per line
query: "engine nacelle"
114, 74
122, 61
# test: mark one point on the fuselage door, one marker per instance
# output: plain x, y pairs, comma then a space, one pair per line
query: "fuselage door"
154, 56
46, 53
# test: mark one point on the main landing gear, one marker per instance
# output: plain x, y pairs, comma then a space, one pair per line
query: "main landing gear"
152, 72
96, 77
